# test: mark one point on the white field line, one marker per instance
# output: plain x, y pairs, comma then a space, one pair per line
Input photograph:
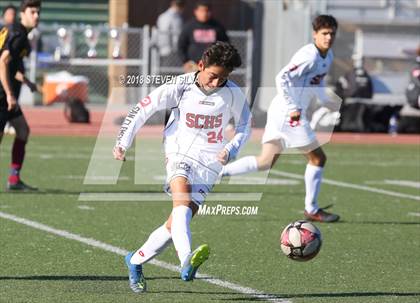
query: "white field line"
402, 183
122, 252
85, 207
147, 197
349, 185
406, 183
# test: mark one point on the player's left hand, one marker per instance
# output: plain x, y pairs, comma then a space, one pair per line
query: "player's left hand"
35, 88
32, 86
223, 157
119, 153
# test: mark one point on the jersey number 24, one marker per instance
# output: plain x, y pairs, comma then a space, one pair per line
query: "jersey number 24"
213, 138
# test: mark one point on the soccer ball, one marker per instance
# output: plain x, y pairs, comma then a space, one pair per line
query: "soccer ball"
301, 240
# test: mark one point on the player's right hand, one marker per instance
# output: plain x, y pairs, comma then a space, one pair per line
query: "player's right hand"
11, 102
295, 115
223, 157
119, 153
294, 118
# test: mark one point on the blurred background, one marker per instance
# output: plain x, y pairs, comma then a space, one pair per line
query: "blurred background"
81, 50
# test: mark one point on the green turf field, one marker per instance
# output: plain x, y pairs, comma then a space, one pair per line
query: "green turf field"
372, 255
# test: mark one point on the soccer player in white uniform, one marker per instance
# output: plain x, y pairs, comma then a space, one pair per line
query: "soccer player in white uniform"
287, 126
196, 149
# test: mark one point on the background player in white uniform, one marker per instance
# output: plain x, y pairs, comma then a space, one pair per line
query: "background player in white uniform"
287, 126
202, 104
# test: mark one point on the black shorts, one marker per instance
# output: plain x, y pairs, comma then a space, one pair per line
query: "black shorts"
7, 116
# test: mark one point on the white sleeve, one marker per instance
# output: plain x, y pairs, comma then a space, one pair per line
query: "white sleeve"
159, 99
242, 116
287, 80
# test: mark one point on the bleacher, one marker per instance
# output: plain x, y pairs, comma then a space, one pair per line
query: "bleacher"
375, 11
68, 12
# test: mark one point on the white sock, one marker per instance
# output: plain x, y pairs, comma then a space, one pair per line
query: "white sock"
155, 244
313, 180
241, 166
181, 233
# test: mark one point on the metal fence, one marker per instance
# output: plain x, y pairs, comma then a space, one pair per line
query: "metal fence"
242, 40
104, 55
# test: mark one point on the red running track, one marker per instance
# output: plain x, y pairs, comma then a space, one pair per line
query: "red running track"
50, 121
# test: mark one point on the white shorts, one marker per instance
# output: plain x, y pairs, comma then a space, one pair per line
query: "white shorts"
278, 127
202, 172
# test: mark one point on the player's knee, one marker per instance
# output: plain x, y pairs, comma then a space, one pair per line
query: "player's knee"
23, 133
319, 160
265, 163
322, 160
168, 223
168, 227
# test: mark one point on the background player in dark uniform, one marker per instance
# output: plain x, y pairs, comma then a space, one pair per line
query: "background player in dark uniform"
9, 15
198, 34
14, 46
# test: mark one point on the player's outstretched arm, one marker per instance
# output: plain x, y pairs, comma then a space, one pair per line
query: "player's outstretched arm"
159, 99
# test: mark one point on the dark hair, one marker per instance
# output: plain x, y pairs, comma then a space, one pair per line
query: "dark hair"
202, 3
180, 3
222, 54
29, 3
10, 6
324, 21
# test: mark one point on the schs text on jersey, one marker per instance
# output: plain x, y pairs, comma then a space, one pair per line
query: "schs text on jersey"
203, 121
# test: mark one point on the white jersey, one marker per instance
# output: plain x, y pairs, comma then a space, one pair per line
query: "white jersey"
302, 79
198, 120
